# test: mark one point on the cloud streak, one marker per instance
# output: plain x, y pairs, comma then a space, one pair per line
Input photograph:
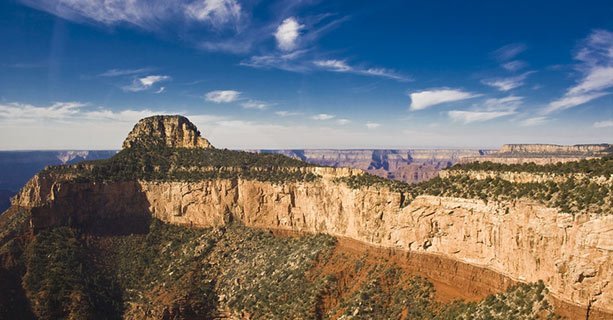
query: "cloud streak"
507, 84
145, 83
342, 66
595, 56
490, 109
428, 98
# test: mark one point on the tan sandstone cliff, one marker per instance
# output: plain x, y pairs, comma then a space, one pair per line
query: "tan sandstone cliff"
521, 240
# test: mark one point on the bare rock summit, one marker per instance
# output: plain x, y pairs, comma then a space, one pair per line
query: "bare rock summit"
169, 130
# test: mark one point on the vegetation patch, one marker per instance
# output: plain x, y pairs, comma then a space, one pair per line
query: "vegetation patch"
570, 195
161, 163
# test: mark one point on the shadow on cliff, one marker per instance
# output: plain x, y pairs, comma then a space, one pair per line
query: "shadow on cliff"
97, 209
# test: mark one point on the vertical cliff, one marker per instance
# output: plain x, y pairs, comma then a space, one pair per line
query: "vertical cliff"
521, 240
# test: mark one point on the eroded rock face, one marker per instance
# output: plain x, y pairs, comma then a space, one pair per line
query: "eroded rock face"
171, 131
524, 241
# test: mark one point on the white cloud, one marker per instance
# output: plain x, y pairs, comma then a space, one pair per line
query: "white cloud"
490, 109
514, 65
287, 34
427, 98
74, 125
596, 64
161, 90
477, 116
25, 112
506, 103
285, 113
124, 72
254, 104
333, 65
322, 116
223, 96
509, 51
285, 61
144, 83
372, 125
506, 84
569, 101
216, 12
342, 66
534, 121
343, 122
603, 124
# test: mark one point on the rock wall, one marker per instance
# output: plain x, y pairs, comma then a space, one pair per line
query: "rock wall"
521, 240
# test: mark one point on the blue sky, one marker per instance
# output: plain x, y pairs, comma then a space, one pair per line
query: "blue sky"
307, 74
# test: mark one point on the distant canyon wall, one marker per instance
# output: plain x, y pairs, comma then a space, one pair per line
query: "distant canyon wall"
408, 165
543, 154
521, 240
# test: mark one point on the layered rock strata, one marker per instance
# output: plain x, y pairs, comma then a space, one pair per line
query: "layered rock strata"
172, 131
521, 240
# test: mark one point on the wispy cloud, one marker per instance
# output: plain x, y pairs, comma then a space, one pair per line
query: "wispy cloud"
286, 61
509, 51
514, 65
215, 25
66, 111
372, 125
603, 124
145, 83
124, 72
285, 113
255, 104
424, 99
323, 116
595, 57
223, 96
215, 12
343, 122
477, 116
342, 66
509, 83
490, 109
534, 121
287, 34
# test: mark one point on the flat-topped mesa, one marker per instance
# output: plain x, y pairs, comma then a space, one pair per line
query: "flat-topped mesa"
578, 149
170, 130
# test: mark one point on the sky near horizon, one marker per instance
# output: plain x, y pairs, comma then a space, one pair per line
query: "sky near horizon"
77, 74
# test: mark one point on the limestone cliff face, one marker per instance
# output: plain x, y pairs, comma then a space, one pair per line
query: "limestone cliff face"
521, 240
172, 131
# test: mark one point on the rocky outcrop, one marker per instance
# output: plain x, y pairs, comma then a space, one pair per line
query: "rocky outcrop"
408, 165
521, 240
171, 131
